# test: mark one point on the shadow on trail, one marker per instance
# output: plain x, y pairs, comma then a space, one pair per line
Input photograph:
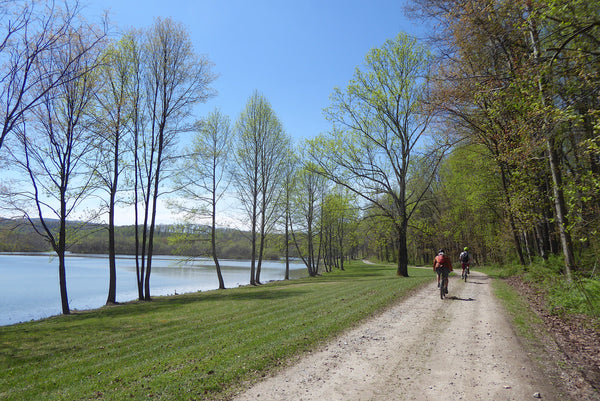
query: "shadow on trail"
455, 298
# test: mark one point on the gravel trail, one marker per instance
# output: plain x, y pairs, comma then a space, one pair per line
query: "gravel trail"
423, 348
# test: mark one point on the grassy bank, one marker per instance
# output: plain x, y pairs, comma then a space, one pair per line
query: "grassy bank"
193, 346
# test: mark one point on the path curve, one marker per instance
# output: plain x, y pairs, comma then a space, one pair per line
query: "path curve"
423, 348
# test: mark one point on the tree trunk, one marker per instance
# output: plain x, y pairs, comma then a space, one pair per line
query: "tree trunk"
402, 251
287, 242
112, 265
112, 268
60, 251
213, 242
253, 251
559, 203
511, 220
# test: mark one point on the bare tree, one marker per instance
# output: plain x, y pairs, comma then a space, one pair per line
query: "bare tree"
31, 33
261, 152
54, 150
202, 180
175, 79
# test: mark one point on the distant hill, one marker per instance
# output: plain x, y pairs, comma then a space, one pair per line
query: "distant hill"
19, 236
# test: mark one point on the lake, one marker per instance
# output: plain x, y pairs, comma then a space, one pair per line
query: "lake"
29, 287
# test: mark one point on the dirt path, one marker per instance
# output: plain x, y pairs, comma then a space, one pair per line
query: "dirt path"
462, 348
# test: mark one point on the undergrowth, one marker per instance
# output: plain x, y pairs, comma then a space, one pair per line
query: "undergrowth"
580, 295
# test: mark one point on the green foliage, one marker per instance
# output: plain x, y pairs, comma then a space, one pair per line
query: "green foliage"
464, 208
580, 296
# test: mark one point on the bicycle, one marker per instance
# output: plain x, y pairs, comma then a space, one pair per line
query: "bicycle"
443, 282
465, 271
443, 286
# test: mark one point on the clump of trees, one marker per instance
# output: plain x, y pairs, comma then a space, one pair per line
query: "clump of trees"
80, 110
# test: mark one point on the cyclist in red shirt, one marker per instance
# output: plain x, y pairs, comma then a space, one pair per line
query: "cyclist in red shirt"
442, 265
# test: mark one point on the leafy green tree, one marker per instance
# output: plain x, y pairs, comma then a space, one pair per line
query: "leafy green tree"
378, 120
339, 219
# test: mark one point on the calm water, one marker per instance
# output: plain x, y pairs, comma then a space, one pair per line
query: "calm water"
29, 282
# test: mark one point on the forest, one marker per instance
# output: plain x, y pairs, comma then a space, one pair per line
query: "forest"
485, 134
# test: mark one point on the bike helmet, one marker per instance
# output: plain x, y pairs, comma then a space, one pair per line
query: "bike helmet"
441, 251
466, 249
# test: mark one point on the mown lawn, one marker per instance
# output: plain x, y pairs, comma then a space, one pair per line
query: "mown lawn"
194, 346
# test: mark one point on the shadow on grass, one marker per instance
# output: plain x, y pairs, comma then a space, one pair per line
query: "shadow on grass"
167, 303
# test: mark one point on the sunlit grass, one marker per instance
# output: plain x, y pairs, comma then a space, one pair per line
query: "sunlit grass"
194, 346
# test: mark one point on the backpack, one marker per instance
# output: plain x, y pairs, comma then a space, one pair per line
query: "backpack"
464, 257
440, 261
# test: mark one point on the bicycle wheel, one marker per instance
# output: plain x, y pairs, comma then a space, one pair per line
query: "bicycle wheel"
442, 289
465, 275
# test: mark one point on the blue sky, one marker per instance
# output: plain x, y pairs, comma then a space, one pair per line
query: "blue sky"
293, 52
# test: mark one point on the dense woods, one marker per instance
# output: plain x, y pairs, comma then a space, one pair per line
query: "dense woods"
486, 135
517, 88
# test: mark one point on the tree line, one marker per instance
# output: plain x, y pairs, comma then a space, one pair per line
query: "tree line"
485, 134
169, 240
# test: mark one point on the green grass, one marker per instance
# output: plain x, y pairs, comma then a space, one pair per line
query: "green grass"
194, 346
526, 322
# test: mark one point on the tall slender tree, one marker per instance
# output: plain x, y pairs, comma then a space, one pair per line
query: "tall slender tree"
261, 150
175, 79
203, 179
112, 120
